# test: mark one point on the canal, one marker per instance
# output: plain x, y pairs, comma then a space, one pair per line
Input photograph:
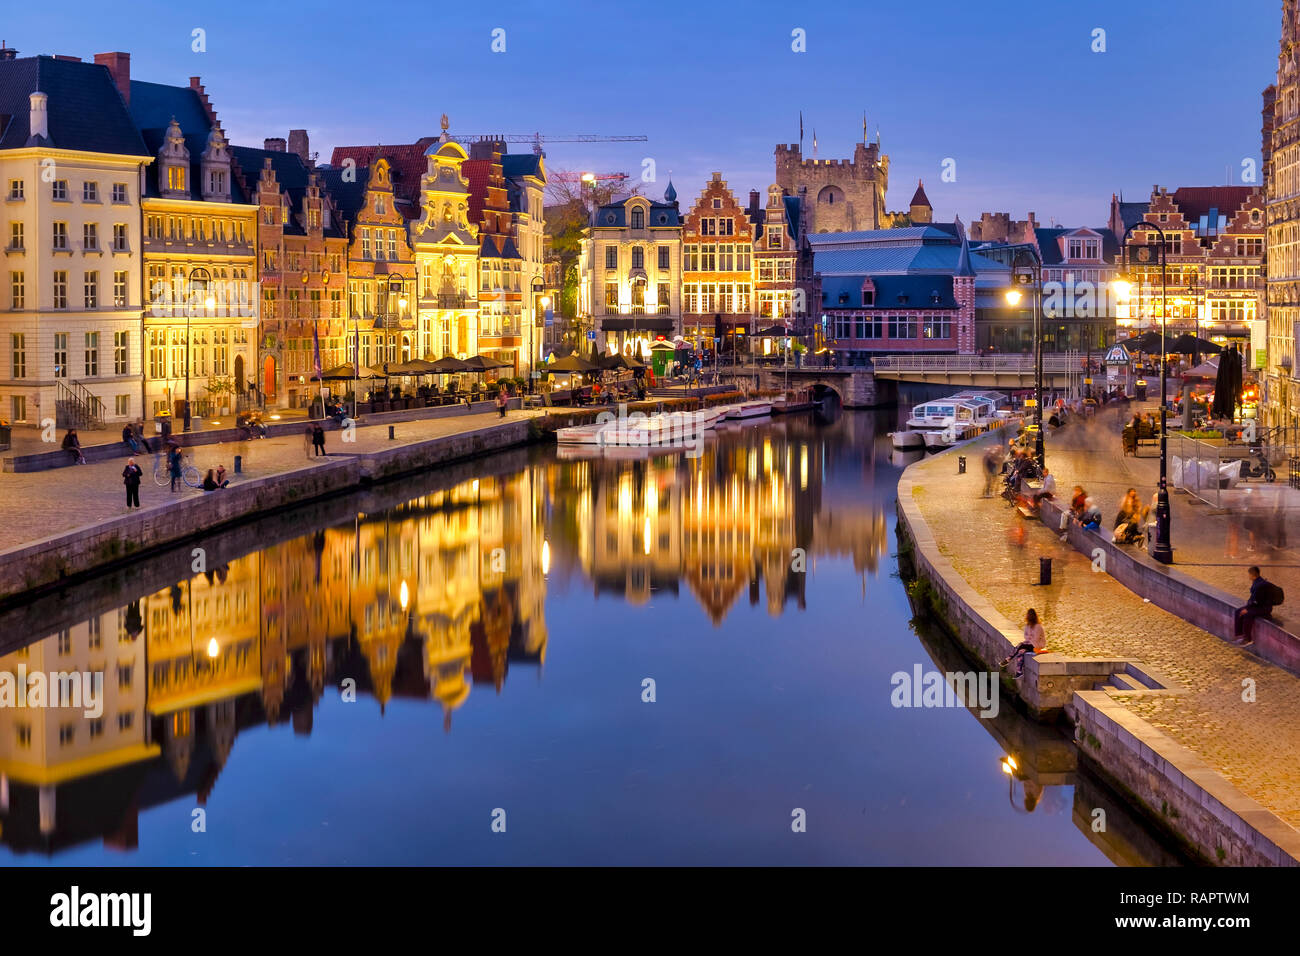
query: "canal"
542, 657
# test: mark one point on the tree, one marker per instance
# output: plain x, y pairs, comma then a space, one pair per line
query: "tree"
569, 204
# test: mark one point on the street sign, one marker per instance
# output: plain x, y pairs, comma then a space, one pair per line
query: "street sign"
591, 335
1117, 355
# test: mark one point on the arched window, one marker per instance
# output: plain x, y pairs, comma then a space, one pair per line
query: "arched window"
638, 218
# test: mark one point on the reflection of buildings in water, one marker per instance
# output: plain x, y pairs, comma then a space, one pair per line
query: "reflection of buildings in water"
424, 601
724, 522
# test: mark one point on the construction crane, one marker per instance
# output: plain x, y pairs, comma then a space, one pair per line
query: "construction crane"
537, 139
569, 177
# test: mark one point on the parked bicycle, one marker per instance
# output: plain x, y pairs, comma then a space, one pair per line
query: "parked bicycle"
189, 474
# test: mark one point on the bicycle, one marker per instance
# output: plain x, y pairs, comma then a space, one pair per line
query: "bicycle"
189, 475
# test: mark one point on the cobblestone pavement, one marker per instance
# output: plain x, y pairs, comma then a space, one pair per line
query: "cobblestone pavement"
45, 503
1254, 745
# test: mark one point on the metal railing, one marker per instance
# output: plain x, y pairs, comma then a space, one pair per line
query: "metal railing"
924, 362
76, 406
1228, 475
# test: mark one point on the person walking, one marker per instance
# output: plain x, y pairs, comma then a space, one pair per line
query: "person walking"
131, 475
318, 439
174, 465
992, 466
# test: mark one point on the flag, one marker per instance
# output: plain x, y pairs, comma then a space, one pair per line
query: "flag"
315, 347
864, 126
801, 126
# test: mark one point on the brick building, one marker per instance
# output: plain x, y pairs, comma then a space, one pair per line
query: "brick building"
717, 267
302, 263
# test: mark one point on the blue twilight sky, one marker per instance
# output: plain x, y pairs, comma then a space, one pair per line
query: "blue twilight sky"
1009, 90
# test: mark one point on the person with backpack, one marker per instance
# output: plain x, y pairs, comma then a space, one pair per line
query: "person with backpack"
1264, 596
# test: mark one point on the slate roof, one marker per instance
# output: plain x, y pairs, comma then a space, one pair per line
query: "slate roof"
86, 111
291, 173
1049, 245
153, 105
348, 197
1131, 212
892, 292
792, 216
521, 164
661, 215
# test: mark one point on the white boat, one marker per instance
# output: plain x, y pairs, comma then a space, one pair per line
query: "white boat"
949, 435
906, 438
581, 434
754, 409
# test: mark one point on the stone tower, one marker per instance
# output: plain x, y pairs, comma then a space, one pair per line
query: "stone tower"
844, 195
919, 210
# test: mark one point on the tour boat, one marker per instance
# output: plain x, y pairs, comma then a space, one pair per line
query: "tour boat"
907, 438
943, 422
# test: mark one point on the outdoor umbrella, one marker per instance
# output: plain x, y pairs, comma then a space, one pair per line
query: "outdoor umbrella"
1227, 386
447, 364
412, 367
1188, 344
572, 363
344, 372
482, 363
614, 360
1148, 342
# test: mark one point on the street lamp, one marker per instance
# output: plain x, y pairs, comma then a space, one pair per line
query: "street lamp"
1163, 550
1013, 297
209, 303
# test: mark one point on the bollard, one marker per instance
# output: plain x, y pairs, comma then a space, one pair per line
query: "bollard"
391, 436
1044, 571
239, 464
961, 464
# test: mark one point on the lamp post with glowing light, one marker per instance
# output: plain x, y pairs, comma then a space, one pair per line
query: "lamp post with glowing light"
1162, 550
1013, 296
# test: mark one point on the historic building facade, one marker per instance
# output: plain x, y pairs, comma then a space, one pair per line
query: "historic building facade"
381, 278
502, 292
70, 322
200, 265
776, 298
1281, 127
631, 262
844, 195
446, 247
302, 258
1214, 251
718, 267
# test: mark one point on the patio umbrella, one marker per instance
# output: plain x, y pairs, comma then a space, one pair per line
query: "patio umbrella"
1188, 344
344, 372
1227, 386
1148, 342
448, 364
572, 363
482, 363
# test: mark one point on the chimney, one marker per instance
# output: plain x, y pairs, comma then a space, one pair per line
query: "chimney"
119, 67
274, 144
40, 121
7, 52
753, 200
298, 144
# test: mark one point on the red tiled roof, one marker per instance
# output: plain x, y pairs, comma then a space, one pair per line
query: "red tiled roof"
408, 163
919, 197
1197, 201
479, 174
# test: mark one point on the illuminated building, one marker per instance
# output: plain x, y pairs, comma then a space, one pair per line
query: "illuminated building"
71, 164
200, 265
717, 267
446, 255
501, 293
776, 255
1215, 258
302, 262
381, 265
1281, 132
631, 270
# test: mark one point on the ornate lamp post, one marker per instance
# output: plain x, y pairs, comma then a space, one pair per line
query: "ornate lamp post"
1163, 550
1035, 275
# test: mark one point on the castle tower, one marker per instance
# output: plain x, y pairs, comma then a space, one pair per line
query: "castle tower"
844, 195
919, 208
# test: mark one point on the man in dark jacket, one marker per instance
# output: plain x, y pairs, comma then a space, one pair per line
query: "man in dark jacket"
131, 475
1258, 604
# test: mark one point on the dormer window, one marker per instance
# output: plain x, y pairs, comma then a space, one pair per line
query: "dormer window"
216, 182
844, 298
638, 218
935, 298
176, 177
868, 297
